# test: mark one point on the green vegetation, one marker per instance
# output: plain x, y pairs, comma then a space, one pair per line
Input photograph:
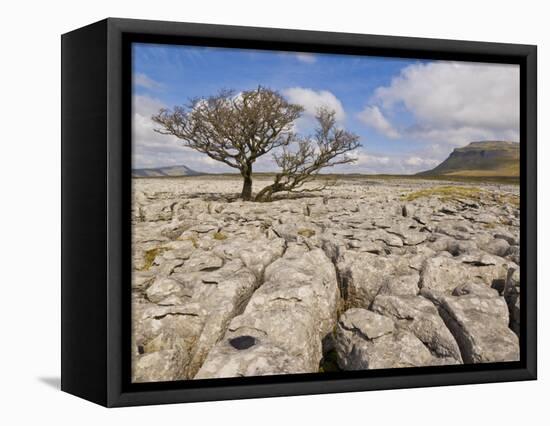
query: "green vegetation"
150, 256
219, 236
511, 199
306, 232
446, 193
369, 178
480, 159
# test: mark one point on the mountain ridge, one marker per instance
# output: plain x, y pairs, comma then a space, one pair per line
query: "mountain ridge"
480, 158
167, 171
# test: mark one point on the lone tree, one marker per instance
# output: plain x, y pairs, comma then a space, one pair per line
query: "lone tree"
234, 129
327, 148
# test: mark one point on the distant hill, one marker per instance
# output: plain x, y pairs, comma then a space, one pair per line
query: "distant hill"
172, 171
486, 158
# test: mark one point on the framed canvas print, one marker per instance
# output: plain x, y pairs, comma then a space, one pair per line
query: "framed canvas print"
253, 212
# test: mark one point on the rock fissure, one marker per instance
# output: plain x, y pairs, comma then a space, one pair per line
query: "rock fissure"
238, 290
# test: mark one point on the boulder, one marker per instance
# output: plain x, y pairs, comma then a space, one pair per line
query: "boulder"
289, 315
365, 340
164, 287
479, 324
497, 246
420, 316
445, 273
255, 254
248, 355
160, 366
362, 276
164, 335
401, 285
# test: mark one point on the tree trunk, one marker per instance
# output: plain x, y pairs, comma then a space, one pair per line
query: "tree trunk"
265, 194
246, 193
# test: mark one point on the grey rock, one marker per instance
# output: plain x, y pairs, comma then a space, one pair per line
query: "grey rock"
201, 261
157, 211
498, 247
401, 285
397, 349
249, 356
419, 316
480, 327
510, 238
289, 316
164, 287
444, 274
367, 323
362, 275
255, 254
160, 366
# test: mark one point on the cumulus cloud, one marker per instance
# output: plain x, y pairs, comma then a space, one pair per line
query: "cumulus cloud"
142, 80
454, 102
373, 117
415, 161
362, 158
378, 163
311, 100
151, 149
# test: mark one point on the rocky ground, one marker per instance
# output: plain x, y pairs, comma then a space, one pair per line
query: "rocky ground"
365, 274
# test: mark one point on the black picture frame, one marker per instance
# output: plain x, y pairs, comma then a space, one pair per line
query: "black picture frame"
96, 167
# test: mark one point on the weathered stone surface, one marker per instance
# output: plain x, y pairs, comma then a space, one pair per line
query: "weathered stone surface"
169, 330
444, 273
157, 211
260, 359
201, 261
390, 349
367, 323
419, 316
401, 285
159, 366
480, 327
255, 254
213, 274
497, 246
290, 314
163, 288
362, 275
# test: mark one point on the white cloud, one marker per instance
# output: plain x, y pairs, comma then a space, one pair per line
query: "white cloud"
373, 117
144, 81
421, 162
455, 103
308, 58
380, 163
362, 158
151, 149
311, 100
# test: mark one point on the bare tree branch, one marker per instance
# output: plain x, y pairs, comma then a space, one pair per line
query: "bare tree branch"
231, 128
327, 148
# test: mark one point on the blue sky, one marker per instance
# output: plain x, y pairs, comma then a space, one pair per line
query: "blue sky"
409, 114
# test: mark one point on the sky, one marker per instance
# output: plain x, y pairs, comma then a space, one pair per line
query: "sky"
409, 114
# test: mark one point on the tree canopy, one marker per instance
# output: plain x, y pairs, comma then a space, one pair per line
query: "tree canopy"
238, 128
234, 129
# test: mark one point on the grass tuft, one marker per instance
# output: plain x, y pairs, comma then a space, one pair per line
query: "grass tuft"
306, 232
446, 193
150, 256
